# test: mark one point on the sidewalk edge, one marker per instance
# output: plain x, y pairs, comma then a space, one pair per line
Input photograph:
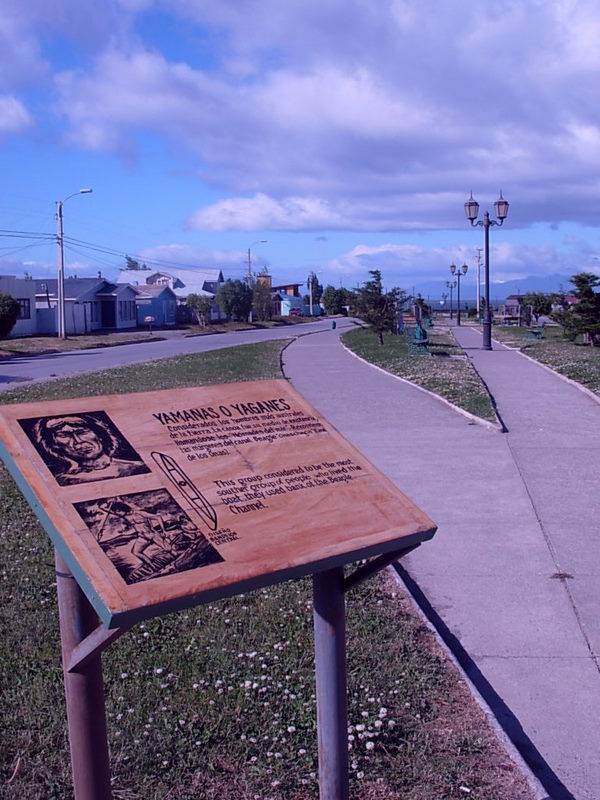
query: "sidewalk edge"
535, 785
493, 426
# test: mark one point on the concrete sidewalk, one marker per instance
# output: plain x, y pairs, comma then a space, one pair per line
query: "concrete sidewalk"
517, 516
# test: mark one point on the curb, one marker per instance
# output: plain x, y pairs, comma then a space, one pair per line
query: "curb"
577, 385
492, 426
507, 743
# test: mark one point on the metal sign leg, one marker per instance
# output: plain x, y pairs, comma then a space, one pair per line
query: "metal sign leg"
330, 673
84, 691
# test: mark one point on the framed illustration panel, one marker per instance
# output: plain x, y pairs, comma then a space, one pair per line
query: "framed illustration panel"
161, 500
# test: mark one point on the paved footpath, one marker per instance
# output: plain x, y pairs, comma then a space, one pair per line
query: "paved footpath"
512, 574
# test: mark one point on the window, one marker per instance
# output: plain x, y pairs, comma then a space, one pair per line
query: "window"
24, 308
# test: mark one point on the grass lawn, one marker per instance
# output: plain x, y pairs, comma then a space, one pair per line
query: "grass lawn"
35, 345
218, 701
579, 362
447, 372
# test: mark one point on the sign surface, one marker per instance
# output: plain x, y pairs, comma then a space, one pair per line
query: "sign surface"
161, 500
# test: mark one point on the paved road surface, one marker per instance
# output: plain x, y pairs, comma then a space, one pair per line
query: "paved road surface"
514, 511
26, 369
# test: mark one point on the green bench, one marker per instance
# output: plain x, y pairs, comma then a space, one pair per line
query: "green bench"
417, 343
537, 332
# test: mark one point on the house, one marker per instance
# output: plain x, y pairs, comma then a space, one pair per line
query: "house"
23, 291
183, 282
91, 304
156, 305
286, 300
511, 312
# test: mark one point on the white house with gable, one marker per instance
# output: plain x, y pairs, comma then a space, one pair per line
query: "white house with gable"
183, 282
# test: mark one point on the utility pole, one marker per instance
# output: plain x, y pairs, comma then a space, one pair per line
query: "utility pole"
61, 273
62, 329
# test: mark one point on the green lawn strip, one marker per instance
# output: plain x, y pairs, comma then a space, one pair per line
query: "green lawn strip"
574, 360
250, 362
218, 701
42, 345
447, 373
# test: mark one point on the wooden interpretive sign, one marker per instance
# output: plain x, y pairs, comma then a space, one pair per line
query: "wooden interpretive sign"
160, 500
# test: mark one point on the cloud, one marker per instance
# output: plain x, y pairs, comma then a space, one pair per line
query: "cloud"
313, 115
265, 213
14, 117
408, 264
183, 255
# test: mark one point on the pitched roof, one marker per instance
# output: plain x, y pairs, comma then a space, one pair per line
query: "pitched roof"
74, 287
184, 281
152, 289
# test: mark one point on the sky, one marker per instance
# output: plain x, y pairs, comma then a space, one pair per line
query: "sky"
326, 136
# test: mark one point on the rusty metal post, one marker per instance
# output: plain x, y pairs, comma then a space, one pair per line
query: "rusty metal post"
330, 673
84, 691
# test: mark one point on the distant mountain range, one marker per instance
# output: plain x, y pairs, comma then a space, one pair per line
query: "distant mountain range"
498, 291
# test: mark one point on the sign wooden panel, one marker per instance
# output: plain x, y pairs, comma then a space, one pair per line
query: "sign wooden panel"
164, 499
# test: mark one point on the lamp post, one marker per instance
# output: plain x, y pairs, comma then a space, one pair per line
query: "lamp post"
249, 277
451, 285
459, 274
62, 333
311, 277
472, 211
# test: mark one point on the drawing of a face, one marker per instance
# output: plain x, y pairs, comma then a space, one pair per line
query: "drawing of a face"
76, 439
83, 447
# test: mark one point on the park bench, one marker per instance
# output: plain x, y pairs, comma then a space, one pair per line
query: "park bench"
536, 332
417, 341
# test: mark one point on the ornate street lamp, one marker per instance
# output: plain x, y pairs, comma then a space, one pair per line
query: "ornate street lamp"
451, 285
459, 273
472, 211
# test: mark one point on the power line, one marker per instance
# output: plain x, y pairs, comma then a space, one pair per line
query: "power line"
92, 247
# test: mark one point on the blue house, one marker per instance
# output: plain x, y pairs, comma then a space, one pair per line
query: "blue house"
156, 304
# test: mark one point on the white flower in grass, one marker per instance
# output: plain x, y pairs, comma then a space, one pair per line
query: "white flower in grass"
370, 745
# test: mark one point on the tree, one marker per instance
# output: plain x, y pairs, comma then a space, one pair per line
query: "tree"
582, 316
131, 263
378, 308
333, 300
536, 303
317, 289
234, 298
200, 305
9, 313
261, 301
